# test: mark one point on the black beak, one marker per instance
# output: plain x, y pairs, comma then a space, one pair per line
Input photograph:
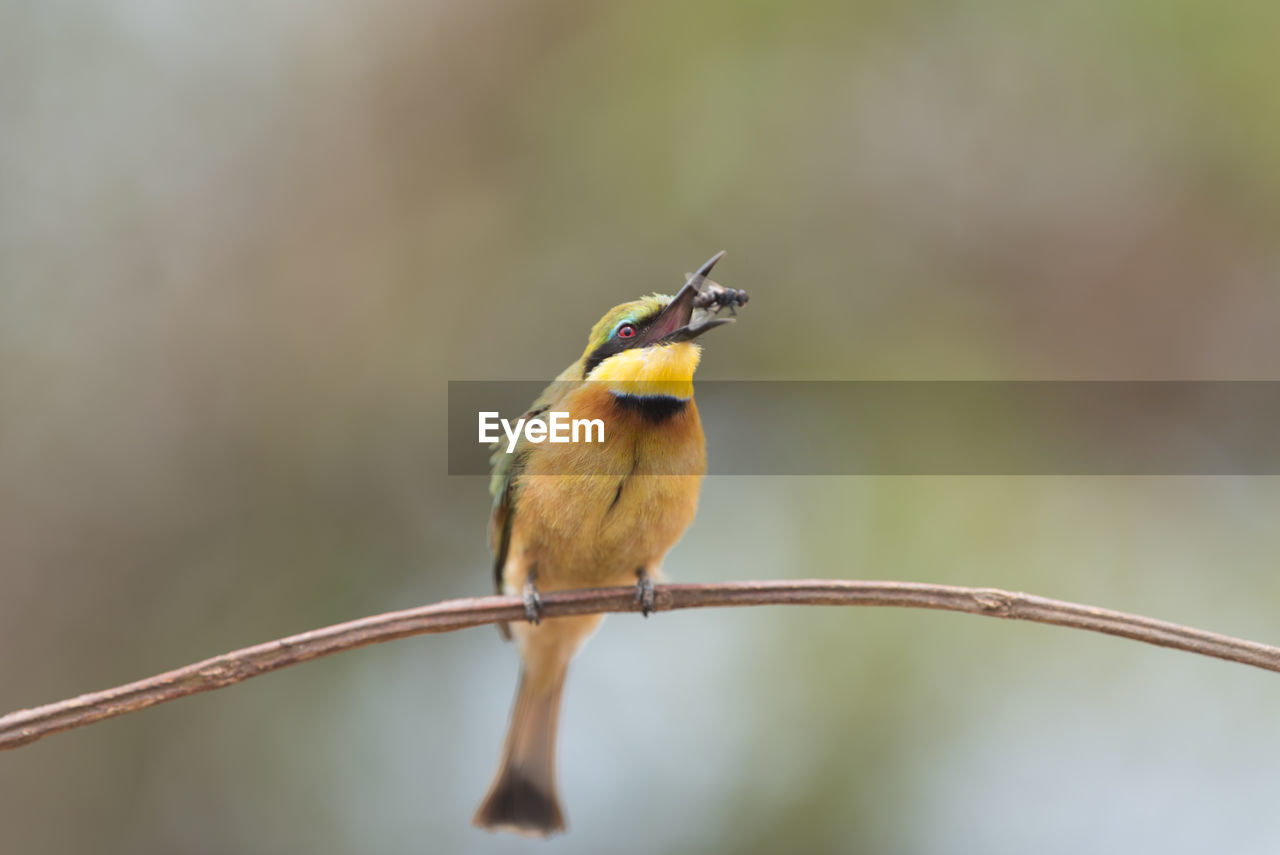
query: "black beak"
673, 324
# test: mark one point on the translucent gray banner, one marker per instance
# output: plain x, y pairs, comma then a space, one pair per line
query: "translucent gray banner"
921, 428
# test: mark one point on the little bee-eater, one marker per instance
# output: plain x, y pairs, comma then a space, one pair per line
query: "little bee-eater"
583, 515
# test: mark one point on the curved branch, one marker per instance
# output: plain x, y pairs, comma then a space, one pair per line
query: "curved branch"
26, 726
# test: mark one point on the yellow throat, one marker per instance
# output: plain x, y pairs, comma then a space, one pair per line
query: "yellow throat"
665, 370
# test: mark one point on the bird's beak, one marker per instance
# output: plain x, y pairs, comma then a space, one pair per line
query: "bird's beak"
674, 324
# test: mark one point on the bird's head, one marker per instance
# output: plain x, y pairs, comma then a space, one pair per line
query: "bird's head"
646, 347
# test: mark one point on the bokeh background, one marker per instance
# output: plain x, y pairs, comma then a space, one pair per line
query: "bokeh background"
243, 248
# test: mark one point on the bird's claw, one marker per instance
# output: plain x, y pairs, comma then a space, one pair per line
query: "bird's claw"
532, 603
645, 596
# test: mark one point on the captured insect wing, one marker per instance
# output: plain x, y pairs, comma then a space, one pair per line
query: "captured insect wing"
712, 296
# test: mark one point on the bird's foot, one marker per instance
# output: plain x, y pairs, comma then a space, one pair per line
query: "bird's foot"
532, 603
644, 593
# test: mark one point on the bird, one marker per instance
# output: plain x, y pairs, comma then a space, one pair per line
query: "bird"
582, 515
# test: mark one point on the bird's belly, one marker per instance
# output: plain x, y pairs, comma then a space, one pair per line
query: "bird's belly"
592, 530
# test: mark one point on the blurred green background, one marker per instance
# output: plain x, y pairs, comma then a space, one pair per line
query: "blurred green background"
243, 248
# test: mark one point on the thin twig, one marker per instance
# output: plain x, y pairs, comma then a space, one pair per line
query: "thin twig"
26, 726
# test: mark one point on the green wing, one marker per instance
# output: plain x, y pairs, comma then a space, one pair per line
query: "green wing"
504, 480
504, 484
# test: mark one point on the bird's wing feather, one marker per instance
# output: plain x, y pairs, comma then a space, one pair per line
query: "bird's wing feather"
504, 482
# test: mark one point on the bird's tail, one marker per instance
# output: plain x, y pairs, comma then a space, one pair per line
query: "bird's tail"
523, 795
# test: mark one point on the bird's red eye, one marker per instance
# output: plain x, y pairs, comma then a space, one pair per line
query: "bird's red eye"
626, 331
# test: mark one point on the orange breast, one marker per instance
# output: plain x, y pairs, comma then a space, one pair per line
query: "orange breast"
590, 514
